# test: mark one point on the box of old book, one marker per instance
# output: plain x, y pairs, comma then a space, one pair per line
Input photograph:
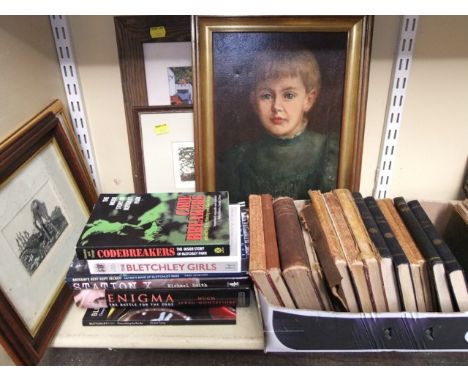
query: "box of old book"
310, 330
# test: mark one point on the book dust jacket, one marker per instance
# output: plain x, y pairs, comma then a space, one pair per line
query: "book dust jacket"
123, 226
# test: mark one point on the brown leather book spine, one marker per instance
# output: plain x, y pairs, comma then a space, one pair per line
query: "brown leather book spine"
269, 229
257, 265
322, 246
257, 239
290, 240
273, 265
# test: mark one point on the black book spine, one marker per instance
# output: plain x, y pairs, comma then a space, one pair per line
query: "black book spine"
371, 226
177, 298
416, 231
173, 283
220, 315
450, 262
393, 245
245, 245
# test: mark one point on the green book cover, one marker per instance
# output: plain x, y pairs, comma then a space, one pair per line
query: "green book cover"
123, 226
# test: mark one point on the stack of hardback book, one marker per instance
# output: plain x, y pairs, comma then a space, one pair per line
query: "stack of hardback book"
340, 251
165, 258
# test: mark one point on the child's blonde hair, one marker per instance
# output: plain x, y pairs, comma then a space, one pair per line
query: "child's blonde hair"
274, 64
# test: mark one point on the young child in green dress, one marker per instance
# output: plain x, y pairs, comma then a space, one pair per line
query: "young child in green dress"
290, 158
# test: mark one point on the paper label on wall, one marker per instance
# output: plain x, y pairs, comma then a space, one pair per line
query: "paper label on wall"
158, 32
161, 129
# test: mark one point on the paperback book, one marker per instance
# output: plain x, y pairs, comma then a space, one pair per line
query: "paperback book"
161, 297
219, 315
183, 265
171, 298
232, 280
158, 225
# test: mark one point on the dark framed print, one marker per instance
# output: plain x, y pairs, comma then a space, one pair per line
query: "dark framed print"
46, 195
280, 103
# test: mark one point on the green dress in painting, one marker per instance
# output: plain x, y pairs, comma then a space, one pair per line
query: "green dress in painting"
281, 167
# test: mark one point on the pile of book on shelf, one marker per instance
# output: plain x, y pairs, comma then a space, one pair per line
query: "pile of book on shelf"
165, 258
339, 251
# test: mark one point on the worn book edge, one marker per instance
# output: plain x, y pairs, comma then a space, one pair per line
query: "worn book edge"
328, 251
368, 253
437, 274
350, 250
407, 288
300, 283
390, 285
283, 294
417, 263
457, 280
317, 277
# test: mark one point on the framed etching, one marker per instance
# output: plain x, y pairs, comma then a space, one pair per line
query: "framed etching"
280, 103
46, 196
165, 148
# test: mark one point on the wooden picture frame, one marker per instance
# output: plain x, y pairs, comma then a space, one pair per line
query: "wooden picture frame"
226, 47
46, 196
157, 131
131, 33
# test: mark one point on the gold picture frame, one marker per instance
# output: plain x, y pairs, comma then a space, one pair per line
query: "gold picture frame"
354, 32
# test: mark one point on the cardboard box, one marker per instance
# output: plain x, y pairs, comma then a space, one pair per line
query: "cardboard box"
296, 330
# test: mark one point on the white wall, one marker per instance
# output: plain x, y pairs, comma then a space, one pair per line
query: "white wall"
30, 77
432, 149
97, 60
384, 44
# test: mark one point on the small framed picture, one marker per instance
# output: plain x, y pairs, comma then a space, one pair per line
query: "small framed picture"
168, 72
164, 149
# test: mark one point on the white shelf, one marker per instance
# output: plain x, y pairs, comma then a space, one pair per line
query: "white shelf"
247, 334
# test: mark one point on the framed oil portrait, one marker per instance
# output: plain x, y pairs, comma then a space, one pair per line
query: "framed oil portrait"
46, 196
280, 103
164, 149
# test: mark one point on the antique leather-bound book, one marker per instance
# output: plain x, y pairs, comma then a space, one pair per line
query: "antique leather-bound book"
453, 269
437, 273
293, 255
418, 265
399, 259
258, 262
387, 264
273, 265
327, 246
351, 252
316, 269
369, 255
